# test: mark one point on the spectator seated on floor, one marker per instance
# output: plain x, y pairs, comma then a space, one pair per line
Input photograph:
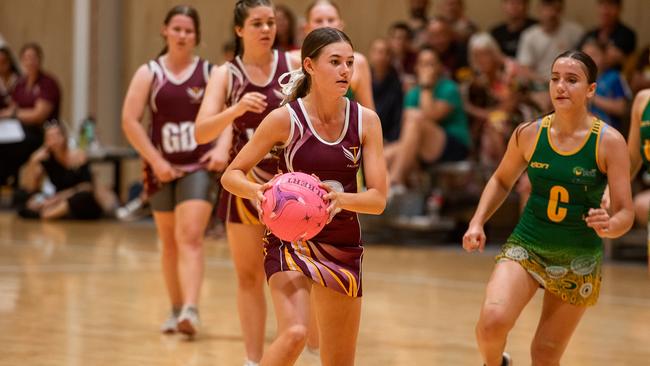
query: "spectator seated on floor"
612, 100
434, 125
495, 99
76, 196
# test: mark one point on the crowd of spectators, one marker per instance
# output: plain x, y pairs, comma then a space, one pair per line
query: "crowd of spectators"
445, 90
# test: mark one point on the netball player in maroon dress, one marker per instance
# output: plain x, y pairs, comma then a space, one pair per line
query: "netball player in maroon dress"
318, 132
239, 95
178, 178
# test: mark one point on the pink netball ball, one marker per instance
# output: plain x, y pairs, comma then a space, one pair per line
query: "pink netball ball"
294, 208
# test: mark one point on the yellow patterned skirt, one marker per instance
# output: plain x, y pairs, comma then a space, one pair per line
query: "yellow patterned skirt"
575, 280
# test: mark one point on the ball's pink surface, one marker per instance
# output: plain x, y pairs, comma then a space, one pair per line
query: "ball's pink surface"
294, 208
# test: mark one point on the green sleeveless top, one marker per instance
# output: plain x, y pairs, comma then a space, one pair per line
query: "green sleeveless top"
645, 135
565, 185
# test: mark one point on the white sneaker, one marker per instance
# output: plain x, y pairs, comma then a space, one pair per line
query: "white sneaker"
188, 322
251, 363
133, 210
169, 326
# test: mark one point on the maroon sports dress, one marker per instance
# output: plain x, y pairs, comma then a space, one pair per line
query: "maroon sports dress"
333, 257
174, 104
232, 208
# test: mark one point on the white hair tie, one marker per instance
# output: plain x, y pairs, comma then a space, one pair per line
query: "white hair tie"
294, 77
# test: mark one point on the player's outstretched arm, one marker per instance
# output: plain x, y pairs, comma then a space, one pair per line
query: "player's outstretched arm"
500, 184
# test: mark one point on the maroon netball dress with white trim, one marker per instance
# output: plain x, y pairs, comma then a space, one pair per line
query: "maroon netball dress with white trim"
333, 257
232, 208
174, 104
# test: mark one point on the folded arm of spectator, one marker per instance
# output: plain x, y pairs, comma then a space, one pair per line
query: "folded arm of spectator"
36, 115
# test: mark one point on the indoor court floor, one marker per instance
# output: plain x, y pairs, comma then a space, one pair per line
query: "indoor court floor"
91, 294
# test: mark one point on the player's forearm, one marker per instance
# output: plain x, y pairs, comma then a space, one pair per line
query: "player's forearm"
368, 202
210, 127
138, 138
620, 223
235, 182
491, 199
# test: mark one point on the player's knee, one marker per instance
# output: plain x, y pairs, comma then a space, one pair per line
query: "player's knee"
250, 279
494, 323
190, 238
295, 337
546, 352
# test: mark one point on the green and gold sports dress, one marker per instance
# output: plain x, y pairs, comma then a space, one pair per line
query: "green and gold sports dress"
552, 240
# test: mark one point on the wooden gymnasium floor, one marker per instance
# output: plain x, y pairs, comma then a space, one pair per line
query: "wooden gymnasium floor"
83, 294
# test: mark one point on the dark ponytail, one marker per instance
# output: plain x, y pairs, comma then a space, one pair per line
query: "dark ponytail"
183, 10
311, 47
240, 16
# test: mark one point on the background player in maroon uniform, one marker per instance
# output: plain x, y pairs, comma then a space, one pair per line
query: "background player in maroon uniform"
178, 183
327, 135
324, 13
239, 95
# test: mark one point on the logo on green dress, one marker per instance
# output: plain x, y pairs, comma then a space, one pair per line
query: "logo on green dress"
582, 172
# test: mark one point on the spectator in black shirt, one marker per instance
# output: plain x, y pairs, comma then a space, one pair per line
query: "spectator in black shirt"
418, 14
620, 39
386, 89
451, 53
517, 20
403, 56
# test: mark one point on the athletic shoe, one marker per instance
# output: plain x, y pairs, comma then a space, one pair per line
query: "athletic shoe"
133, 210
188, 321
169, 326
